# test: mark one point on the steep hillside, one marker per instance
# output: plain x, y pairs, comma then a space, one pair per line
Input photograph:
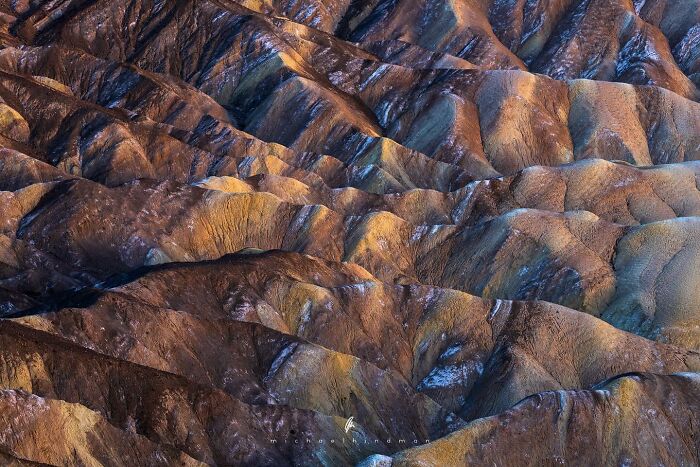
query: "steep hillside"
367, 232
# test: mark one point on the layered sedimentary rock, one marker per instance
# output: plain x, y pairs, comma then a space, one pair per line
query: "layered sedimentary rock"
337, 233
638, 417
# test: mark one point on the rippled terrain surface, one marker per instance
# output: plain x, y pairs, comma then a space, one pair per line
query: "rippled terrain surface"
342, 232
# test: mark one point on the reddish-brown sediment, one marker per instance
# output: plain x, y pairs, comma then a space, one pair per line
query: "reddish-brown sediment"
227, 227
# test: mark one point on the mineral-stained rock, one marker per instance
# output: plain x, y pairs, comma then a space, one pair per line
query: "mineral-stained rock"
471, 355
373, 232
630, 419
55, 432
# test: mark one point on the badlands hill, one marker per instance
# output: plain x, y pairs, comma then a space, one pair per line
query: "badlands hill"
349, 232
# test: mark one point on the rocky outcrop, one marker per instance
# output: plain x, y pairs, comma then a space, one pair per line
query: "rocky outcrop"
334, 233
633, 418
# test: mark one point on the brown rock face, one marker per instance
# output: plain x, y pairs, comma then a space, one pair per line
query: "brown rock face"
382, 232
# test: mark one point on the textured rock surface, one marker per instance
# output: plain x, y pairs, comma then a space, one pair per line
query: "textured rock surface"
274, 232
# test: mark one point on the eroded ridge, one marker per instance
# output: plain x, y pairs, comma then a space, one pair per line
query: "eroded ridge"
349, 233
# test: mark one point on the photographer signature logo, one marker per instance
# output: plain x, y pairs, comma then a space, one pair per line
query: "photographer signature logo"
350, 424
